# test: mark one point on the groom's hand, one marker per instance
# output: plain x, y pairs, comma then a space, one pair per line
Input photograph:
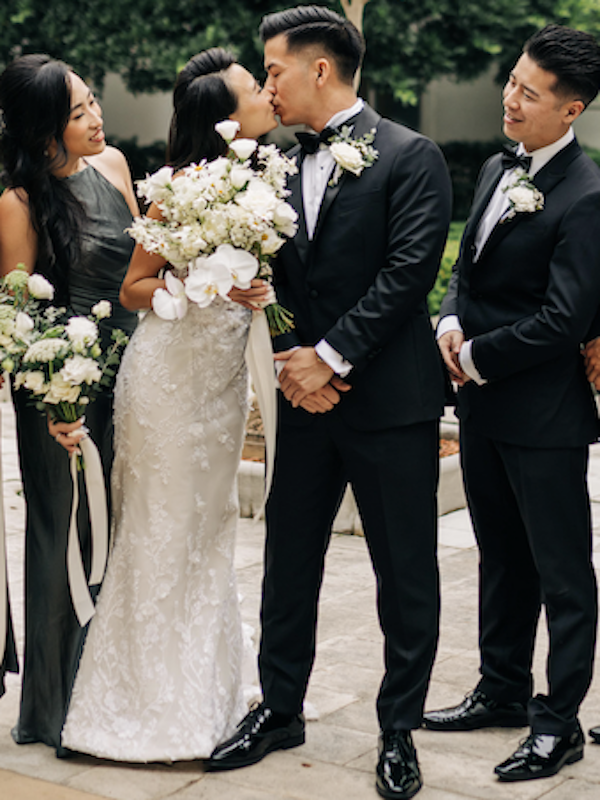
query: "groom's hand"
325, 399
303, 374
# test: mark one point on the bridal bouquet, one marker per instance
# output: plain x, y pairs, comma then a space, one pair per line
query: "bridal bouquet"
222, 222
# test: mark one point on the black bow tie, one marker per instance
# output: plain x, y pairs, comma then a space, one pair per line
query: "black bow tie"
310, 142
510, 160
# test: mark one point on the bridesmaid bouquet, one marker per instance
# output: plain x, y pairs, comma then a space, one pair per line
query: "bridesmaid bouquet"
63, 366
222, 222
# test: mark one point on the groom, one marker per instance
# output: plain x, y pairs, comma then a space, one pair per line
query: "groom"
362, 388
521, 299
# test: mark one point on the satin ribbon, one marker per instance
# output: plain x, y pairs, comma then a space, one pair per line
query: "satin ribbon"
3, 577
259, 357
97, 505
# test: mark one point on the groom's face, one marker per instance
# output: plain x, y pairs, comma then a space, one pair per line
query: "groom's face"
292, 79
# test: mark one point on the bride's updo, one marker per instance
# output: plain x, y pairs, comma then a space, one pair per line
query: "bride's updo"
201, 98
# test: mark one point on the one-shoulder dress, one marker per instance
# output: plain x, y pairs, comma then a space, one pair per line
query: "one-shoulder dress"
53, 636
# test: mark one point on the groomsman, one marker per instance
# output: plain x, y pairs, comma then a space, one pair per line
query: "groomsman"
520, 302
373, 200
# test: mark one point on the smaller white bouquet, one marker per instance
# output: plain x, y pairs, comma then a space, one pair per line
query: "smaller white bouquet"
222, 222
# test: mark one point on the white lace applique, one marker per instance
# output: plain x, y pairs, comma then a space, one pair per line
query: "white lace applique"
160, 676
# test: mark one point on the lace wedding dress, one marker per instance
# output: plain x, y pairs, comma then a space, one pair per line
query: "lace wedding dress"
160, 675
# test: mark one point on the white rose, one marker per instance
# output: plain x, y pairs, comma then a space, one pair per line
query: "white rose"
60, 391
239, 176
23, 324
259, 199
157, 187
227, 129
77, 370
34, 381
39, 287
102, 310
82, 332
348, 157
523, 199
243, 148
285, 218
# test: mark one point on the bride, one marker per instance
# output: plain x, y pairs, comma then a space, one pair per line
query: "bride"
160, 675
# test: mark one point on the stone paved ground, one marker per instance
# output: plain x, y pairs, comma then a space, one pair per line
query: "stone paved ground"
338, 759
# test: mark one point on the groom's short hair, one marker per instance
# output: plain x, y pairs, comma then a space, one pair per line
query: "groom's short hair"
309, 26
573, 56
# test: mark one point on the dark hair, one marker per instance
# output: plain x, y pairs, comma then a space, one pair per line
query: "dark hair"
573, 56
35, 98
201, 98
306, 26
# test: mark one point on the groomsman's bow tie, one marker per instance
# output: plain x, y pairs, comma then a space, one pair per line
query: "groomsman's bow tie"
310, 142
510, 160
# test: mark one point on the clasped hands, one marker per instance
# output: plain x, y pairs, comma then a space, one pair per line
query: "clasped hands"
308, 382
450, 344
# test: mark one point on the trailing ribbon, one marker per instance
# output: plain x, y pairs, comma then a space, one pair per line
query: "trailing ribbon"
259, 357
96, 495
3, 578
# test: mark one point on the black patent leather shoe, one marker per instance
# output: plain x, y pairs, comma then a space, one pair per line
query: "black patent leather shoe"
595, 734
259, 733
398, 773
541, 755
476, 711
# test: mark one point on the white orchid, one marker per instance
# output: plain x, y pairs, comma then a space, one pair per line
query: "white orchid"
171, 302
210, 276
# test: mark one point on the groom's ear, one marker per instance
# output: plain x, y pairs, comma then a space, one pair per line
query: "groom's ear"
322, 71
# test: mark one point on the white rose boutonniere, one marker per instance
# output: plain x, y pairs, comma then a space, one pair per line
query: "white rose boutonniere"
524, 197
351, 155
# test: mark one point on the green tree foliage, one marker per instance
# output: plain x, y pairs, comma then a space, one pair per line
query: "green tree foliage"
409, 41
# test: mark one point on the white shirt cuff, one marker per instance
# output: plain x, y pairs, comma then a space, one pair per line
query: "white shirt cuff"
449, 323
465, 358
333, 359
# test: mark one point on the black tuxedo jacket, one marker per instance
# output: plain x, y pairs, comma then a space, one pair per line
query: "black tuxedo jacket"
362, 282
528, 303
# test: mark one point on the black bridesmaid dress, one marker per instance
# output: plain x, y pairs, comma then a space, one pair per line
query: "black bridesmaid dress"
53, 636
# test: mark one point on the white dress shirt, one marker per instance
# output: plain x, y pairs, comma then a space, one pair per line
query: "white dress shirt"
497, 208
316, 172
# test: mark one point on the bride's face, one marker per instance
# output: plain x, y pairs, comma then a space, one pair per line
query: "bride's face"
255, 111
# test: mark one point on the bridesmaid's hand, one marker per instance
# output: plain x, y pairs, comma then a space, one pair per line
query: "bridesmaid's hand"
251, 298
68, 434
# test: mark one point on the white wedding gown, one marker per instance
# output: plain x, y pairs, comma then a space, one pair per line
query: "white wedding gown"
160, 676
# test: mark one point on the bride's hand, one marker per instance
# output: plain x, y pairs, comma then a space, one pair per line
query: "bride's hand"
68, 434
258, 292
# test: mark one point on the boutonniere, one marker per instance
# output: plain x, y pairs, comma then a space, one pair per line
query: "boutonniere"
524, 197
351, 155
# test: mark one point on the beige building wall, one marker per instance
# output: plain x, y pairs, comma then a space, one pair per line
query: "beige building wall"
126, 115
471, 111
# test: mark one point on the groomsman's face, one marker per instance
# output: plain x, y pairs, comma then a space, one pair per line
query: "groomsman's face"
533, 113
293, 78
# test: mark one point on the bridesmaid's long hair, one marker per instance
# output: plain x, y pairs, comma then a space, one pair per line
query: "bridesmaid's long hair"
35, 101
201, 98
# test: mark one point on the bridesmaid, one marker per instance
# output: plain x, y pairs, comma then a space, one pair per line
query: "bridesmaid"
68, 201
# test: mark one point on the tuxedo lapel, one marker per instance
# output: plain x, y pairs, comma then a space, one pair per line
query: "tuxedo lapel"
300, 240
366, 120
481, 201
545, 180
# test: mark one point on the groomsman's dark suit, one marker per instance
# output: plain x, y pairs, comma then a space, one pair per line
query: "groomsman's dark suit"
527, 304
361, 284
